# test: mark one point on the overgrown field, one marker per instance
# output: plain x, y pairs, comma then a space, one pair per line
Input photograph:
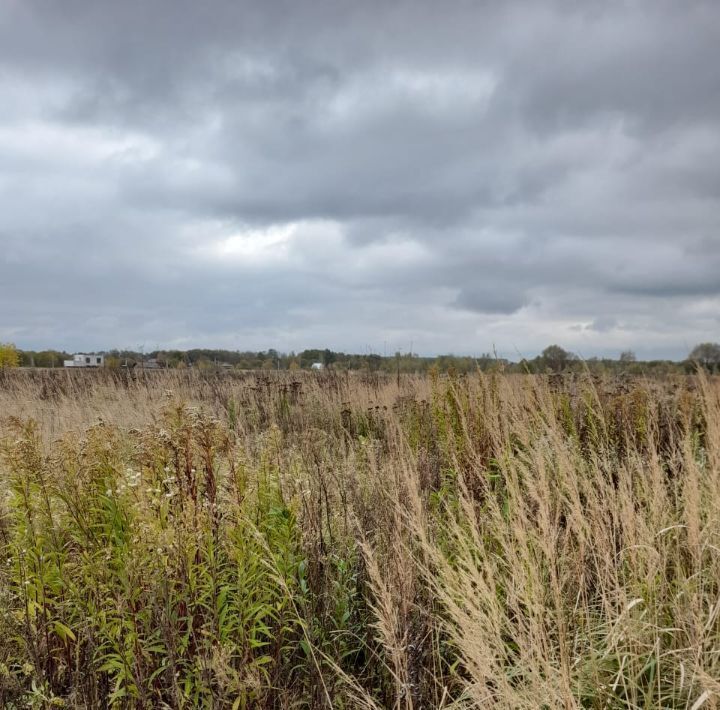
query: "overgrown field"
192, 540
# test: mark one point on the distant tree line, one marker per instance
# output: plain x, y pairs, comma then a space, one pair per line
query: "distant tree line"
42, 358
553, 359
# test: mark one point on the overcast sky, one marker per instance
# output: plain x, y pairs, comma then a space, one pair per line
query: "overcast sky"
459, 175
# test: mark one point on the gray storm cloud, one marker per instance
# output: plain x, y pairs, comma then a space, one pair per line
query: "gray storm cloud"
281, 174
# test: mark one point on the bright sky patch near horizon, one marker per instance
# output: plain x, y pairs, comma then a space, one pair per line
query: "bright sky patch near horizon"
461, 176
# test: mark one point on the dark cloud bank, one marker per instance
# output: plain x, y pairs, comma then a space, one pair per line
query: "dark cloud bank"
349, 174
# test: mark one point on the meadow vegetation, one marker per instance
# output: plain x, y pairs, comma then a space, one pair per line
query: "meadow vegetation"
184, 539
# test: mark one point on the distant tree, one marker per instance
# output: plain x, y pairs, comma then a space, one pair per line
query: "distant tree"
556, 358
706, 354
373, 362
112, 362
9, 355
525, 366
49, 358
627, 356
27, 358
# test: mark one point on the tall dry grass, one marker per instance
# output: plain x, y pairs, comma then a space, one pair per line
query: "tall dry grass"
198, 540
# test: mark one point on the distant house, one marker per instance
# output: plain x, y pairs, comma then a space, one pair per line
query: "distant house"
85, 360
317, 366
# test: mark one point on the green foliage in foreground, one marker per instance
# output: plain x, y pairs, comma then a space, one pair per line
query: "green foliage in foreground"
160, 569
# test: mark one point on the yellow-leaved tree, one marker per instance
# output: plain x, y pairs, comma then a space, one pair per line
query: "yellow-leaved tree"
9, 355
